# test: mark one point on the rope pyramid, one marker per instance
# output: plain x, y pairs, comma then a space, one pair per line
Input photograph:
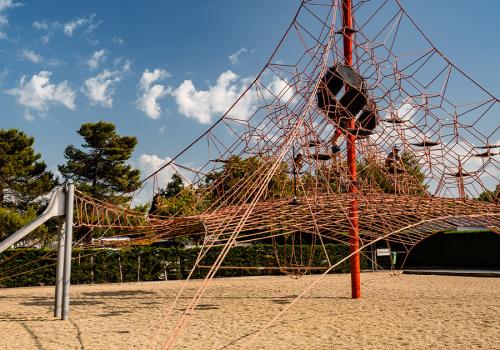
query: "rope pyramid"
426, 145
411, 102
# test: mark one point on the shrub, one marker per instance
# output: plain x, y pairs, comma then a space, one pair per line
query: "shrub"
34, 267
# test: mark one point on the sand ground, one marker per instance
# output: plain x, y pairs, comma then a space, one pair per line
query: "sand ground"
404, 311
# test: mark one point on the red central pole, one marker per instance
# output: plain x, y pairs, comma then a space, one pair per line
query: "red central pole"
351, 161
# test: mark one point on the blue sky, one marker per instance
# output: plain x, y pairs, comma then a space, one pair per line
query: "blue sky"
128, 62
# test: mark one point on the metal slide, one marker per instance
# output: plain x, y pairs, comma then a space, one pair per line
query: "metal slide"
56, 207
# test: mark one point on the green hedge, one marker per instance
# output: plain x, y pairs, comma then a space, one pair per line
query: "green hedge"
33, 267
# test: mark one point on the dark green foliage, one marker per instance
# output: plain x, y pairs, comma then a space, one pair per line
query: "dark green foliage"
100, 169
490, 196
22, 174
231, 184
12, 220
185, 203
239, 174
414, 170
33, 267
174, 187
15, 262
327, 178
177, 200
143, 208
376, 175
23, 179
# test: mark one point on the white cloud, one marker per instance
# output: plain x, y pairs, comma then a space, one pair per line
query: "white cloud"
38, 93
203, 105
4, 20
43, 25
149, 78
45, 39
70, 27
127, 64
92, 26
6, 4
235, 57
48, 29
101, 88
32, 56
86, 24
147, 164
193, 103
96, 59
118, 40
151, 93
279, 88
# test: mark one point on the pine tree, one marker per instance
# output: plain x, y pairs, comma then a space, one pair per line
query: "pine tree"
174, 186
23, 176
100, 169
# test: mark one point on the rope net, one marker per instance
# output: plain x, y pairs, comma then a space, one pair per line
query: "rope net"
274, 165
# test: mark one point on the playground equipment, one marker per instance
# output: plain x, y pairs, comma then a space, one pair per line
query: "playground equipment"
363, 70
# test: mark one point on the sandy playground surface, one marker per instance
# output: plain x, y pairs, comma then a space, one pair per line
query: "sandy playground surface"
405, 311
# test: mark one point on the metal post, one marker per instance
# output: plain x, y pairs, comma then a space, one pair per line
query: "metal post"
372, 257
351, 161
68, 245
59, 272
